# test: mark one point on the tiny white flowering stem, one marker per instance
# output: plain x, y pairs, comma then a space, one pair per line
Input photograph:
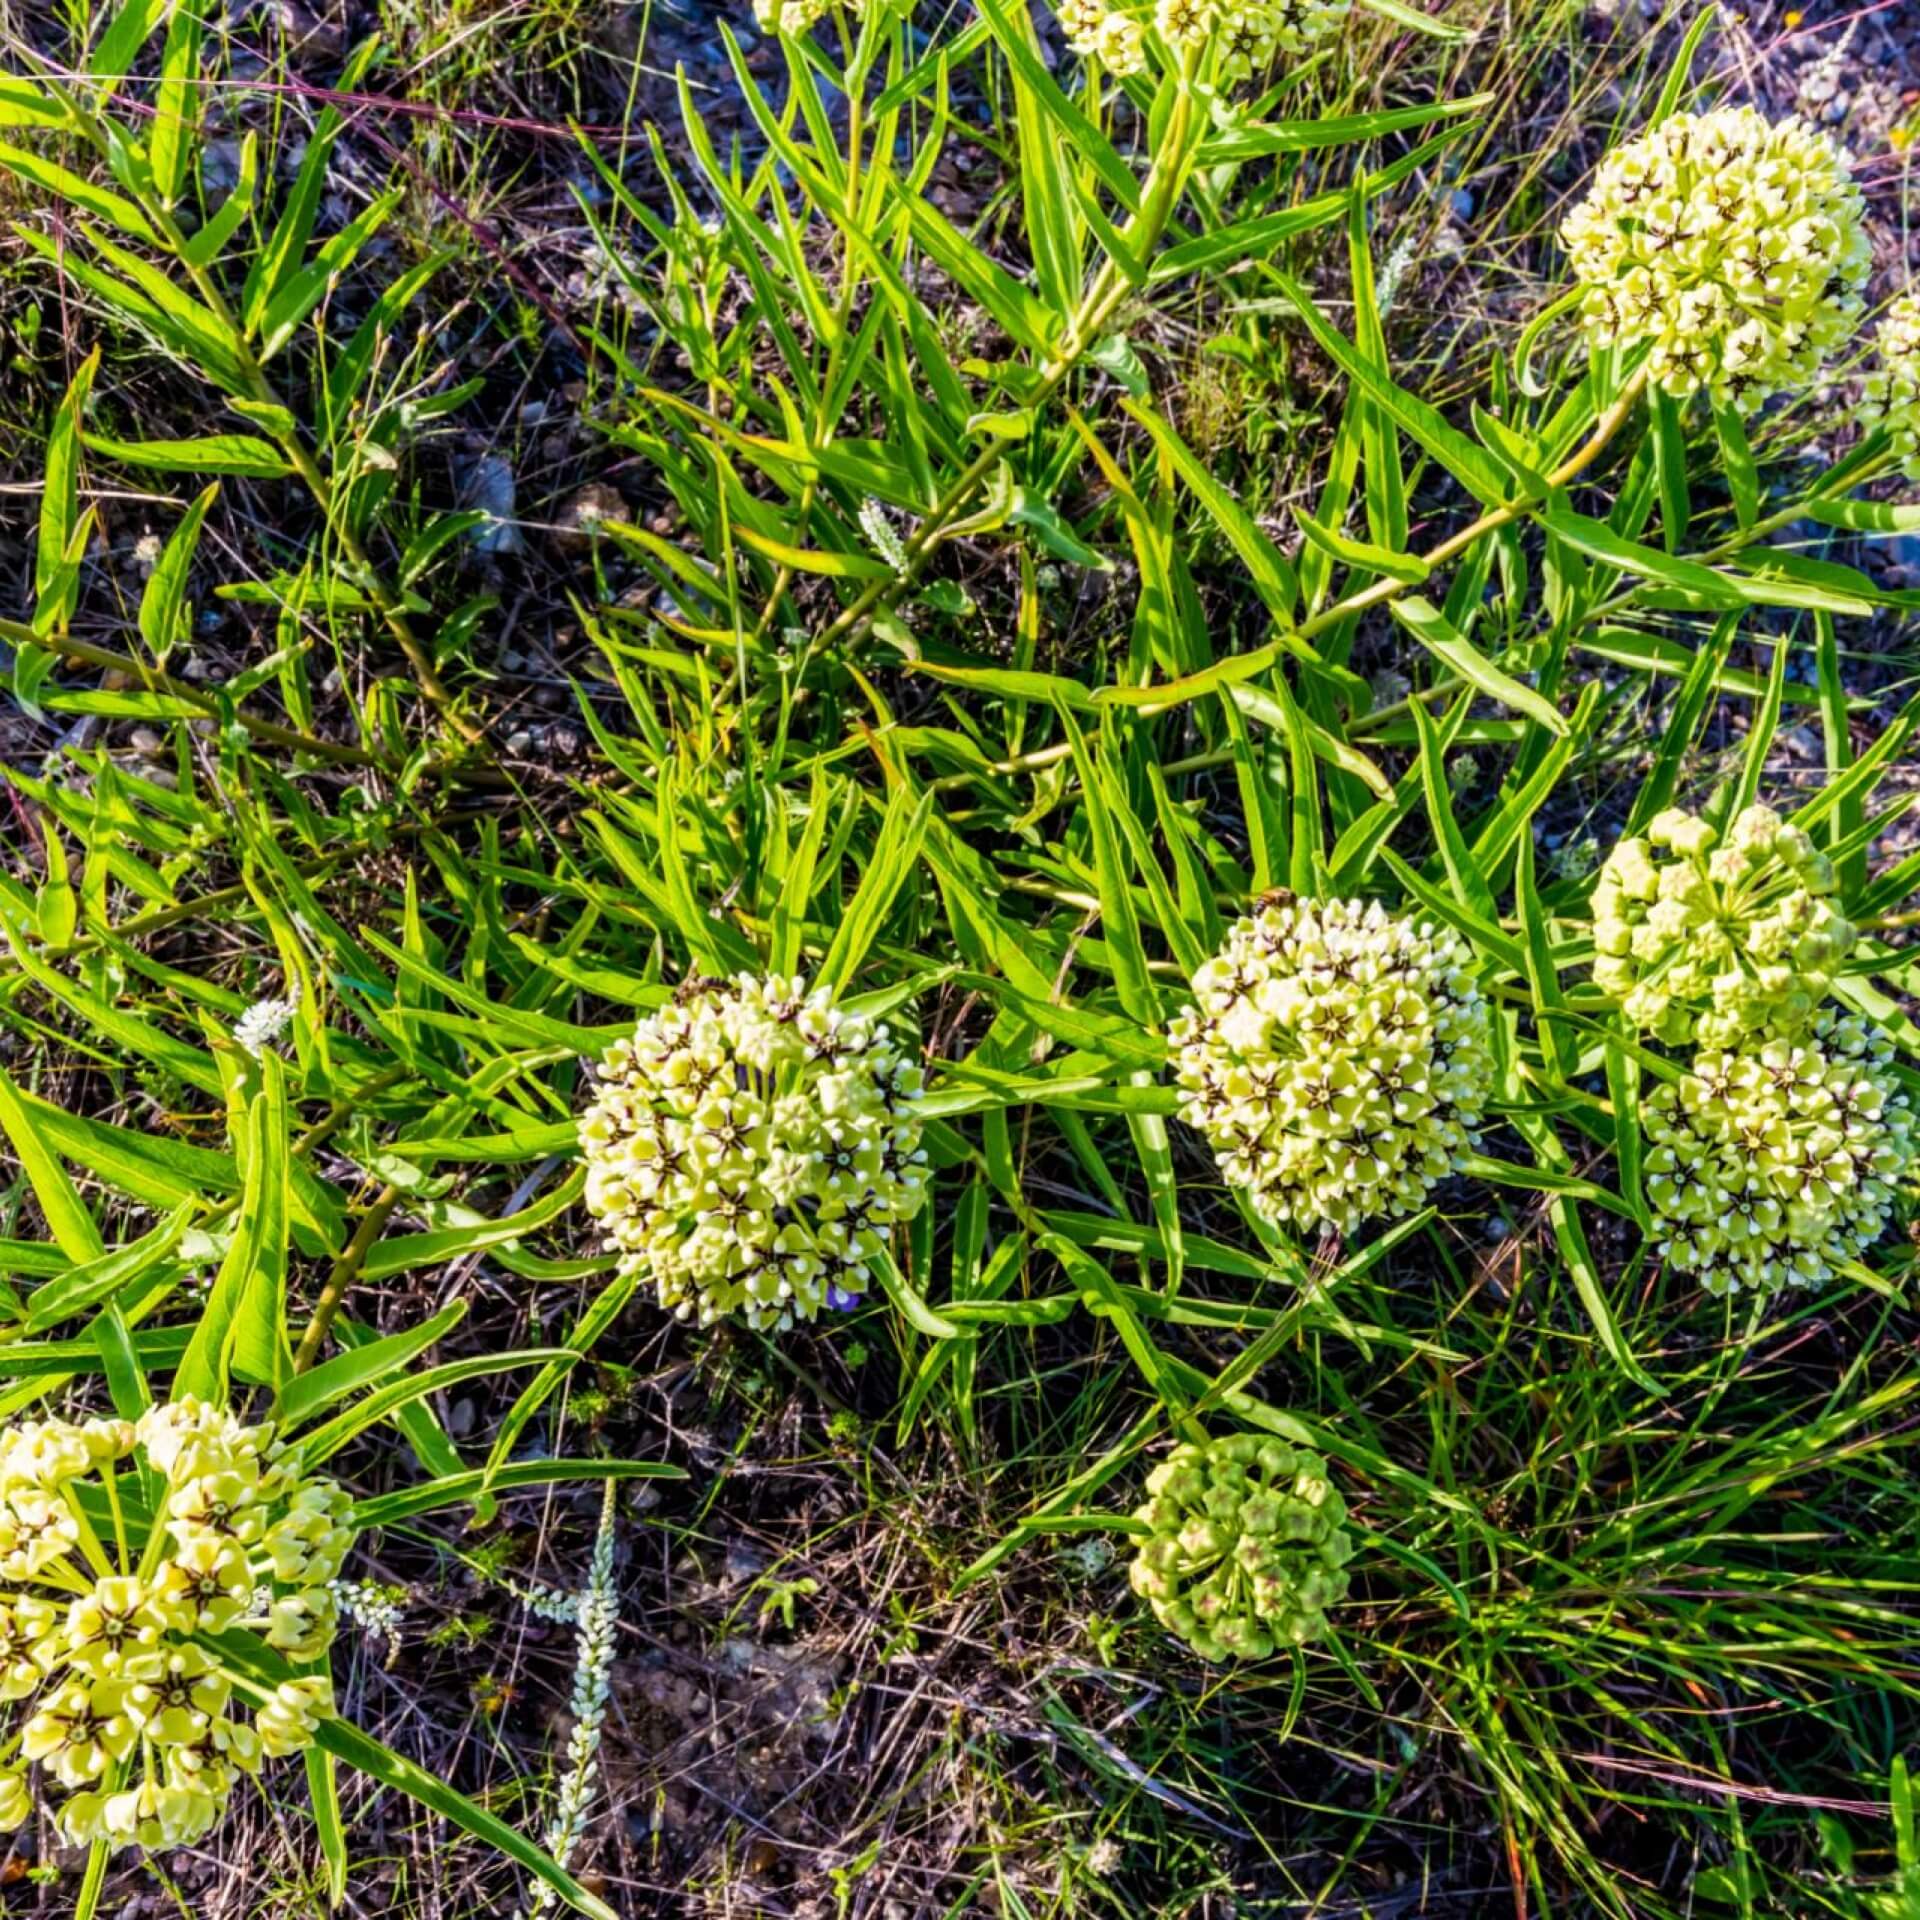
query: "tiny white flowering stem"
546, 1603
595, 1611
372, 1608
266, 1020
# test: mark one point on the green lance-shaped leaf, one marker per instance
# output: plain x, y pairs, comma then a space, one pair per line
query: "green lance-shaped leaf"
163, 602
68, 1220
361, 1368
243, 1327
176, 124
222, 453
1453, 649
1469, 463
56, 568
1268, 568
76, 193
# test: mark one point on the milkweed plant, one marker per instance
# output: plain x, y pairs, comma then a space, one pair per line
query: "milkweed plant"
905, 969
120, 1701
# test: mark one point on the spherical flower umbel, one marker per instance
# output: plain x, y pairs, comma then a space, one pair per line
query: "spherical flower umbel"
1082, 21
1244, 1549
796, 17
1705, 940
1247, 36
1771, 1161
750, 1148
1254, 33
1338, 1060
1890, 394
110, 1684
1733, 247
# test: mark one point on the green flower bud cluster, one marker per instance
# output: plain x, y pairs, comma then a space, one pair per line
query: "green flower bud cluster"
1700, 940
1246, 1550
1247, 35
1734, 249
1770, 1163
750, 1148
1890, 394
105, 1616
1338, 1060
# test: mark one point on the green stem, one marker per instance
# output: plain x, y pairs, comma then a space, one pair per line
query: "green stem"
1175, 693
94, 1880
342, 1275
1596, 443
1746, 536
156, 681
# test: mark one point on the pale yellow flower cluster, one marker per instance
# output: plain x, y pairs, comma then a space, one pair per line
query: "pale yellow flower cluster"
105, 1615
1253, 34
1338, 1060
1245, 1550
1735, 249
1708, 941
1890, 395
751, 1147
1776, 1155
1248, 35
1098, 32
797, 17
1770, 1164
